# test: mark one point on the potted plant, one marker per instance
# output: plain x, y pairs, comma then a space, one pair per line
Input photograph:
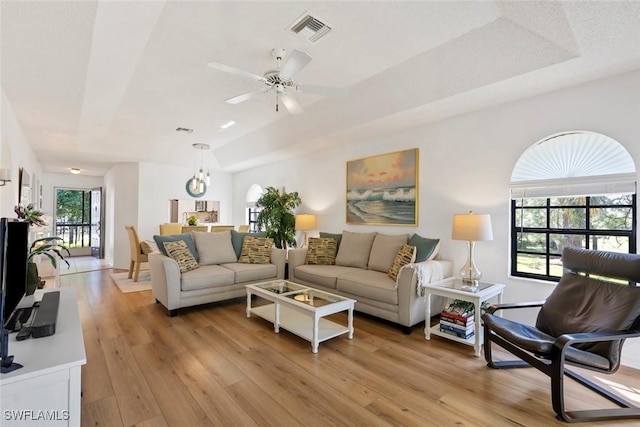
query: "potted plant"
192, 220
277, 216
50, 247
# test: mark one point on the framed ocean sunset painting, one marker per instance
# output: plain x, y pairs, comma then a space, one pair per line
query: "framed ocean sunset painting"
383, 189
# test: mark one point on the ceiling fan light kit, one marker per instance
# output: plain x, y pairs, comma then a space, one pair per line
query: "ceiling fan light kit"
280, 80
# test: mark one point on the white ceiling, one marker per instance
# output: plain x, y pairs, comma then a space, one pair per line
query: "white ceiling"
94, 83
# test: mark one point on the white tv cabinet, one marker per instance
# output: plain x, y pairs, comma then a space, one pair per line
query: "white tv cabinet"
46, 390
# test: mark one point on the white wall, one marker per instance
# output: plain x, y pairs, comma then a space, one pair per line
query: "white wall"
465, 164
139, 194
15, 152
161, 183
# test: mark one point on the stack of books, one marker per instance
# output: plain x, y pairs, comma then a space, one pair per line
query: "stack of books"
457, 321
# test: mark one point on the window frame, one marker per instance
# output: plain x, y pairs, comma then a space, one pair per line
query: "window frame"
588, 232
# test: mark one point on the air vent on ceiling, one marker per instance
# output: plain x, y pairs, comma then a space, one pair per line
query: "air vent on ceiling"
309, 28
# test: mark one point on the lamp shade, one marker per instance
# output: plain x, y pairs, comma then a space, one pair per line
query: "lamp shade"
305, 222
472, 227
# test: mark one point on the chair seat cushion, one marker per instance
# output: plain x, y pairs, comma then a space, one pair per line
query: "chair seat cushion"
322, 275
252, 272
207, 276
535, 341
374, 284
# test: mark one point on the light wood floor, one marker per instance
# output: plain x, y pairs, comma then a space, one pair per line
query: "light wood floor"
213, 366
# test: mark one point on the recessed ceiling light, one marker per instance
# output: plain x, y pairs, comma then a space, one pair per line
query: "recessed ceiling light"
227, 125
74, 171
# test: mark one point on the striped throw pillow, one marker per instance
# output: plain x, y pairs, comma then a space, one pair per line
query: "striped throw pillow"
406, 255
256, 250
321, 251
179, 251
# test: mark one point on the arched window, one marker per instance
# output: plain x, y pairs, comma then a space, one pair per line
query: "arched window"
570, 189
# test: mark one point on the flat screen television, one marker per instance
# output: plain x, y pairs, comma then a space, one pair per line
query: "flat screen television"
14, 237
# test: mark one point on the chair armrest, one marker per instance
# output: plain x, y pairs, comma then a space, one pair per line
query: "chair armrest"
165, 280
506, 306
279, 258
297, 256
569, 339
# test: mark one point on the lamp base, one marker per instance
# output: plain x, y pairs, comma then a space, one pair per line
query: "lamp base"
469, 272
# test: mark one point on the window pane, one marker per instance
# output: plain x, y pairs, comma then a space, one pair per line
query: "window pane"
611, 218
557, 242
533, 218
568, 201
612, 199
532, 264
555, 266
610, 243
570, 218
532, 242
531, 202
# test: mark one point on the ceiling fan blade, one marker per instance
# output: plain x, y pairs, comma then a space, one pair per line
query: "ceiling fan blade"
236, 71
291, 103
296, 62
246, 96
322, 90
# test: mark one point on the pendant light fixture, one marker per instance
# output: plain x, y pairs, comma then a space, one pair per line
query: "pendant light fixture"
197, 185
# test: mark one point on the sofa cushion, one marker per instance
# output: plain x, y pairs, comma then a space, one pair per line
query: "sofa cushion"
323, 275
252, 272
179, 251
256, 250
406, 255
337, 236
375, 285
426, 249
237, 238
207, 276
214, 248
384, 250
354, 249
321, 251
186, 237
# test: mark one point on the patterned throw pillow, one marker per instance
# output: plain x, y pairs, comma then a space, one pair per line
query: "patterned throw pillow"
256, 250
406, 255
179, 251
321, 251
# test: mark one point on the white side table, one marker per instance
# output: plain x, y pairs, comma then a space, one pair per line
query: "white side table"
453, 287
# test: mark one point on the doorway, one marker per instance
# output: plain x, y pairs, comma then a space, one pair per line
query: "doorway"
78, 220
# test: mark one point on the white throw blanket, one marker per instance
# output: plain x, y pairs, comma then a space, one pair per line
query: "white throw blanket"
427, 272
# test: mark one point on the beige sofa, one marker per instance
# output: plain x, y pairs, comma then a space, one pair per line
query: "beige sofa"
360, 272
219, 276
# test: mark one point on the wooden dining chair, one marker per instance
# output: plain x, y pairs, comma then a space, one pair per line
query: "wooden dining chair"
137, 256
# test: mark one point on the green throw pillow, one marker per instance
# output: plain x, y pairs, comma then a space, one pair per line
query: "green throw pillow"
426, 249
186, 237
237, 238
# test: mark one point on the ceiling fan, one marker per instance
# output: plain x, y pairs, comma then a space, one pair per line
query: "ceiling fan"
280, 80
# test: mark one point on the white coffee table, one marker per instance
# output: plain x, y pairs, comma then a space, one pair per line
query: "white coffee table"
300, 310
455, 288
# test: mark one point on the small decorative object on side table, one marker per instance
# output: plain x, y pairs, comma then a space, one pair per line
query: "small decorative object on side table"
456, 288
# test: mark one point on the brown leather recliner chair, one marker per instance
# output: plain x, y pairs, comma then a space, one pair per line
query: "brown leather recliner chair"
583, 323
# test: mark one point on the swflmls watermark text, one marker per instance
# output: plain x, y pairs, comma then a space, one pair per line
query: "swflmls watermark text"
31, 415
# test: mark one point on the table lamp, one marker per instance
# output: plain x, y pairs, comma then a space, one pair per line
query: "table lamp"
305, 222
472, 228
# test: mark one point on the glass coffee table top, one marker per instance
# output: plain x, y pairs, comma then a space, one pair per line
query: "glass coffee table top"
299, 293
460, 285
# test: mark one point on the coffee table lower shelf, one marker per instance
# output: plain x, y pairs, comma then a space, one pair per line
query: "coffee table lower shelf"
300, 324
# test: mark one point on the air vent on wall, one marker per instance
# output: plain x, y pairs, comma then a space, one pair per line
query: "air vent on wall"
309, 28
